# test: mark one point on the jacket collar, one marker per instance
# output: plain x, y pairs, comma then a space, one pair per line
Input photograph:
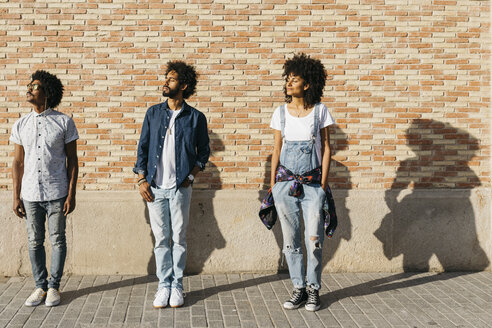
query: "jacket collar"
185, 107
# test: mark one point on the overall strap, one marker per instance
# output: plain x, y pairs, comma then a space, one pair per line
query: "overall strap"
316, 122
282, 120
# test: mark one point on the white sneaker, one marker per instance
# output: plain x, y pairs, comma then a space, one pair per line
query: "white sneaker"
36, 297
177, 298
161, 298
53, 298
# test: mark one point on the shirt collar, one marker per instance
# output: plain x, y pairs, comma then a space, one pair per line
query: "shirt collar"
166, 106
44, 113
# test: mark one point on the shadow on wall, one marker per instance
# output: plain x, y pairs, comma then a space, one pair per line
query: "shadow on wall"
339, 181
340, 184
419, 226
151, 269
203, 234
276, 230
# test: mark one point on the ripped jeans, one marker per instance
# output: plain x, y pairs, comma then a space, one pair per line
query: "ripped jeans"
288, 210
36, 214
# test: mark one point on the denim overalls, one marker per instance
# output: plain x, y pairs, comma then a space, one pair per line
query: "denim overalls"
300, 157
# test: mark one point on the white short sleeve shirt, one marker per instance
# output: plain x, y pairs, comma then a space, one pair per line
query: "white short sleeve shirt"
300, 128
43, 137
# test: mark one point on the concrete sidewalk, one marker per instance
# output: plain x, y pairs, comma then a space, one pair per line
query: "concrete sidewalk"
255, 300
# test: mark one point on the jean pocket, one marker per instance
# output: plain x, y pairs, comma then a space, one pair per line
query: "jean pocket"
306, 149
276, 186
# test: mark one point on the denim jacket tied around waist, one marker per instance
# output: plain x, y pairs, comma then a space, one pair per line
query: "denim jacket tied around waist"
268, 213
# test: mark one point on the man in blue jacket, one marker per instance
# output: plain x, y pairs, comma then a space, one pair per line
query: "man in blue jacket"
173, 148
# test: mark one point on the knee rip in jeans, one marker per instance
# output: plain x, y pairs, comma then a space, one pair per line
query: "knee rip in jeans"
315, 240
36, 244
59, 243
291, 250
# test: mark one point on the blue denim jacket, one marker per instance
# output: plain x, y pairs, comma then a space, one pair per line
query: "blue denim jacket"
192, 142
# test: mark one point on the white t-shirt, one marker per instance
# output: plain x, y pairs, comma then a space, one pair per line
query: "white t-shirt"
300, 128
165, 176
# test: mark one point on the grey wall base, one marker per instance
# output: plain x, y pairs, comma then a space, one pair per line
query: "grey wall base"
390, 231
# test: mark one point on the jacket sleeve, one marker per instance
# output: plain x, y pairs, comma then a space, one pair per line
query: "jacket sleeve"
202, 142
143, 147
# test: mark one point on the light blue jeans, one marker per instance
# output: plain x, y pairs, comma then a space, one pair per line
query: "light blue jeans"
169, 216
289, 214
36, 213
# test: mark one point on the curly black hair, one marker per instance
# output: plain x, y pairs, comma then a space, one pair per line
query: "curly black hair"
186, 75
52, 87
312, 72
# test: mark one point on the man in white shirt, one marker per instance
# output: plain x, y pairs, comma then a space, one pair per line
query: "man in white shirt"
44, 171
173, 148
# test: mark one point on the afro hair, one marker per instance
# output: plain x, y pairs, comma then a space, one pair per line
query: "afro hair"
52, 87
312, 72
186, 75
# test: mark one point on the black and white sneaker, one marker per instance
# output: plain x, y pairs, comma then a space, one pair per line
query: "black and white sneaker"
299, 296
313, 303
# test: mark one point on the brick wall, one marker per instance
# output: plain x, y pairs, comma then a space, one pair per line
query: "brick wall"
408, 82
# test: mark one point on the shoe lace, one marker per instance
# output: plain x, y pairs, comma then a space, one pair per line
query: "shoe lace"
313, 296
296, 295
51, 292
38, 293
161, 292
179, 292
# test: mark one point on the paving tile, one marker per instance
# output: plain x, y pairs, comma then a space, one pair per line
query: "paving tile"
134, 311
216, 324
32, 323
19, 319
230, 300
198, 321
264, 321
248, 324
214, 315
231, 321
212, 304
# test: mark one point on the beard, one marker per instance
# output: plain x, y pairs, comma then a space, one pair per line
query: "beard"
170, 93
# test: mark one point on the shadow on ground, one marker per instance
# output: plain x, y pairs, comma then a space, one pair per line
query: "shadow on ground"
389, 283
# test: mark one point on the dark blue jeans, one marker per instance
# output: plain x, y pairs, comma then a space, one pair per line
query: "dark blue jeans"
36, 214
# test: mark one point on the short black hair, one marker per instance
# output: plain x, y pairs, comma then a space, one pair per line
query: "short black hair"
311, 71
186, 75
52, 87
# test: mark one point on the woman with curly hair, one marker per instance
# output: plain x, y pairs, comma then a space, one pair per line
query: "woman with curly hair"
300, 166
